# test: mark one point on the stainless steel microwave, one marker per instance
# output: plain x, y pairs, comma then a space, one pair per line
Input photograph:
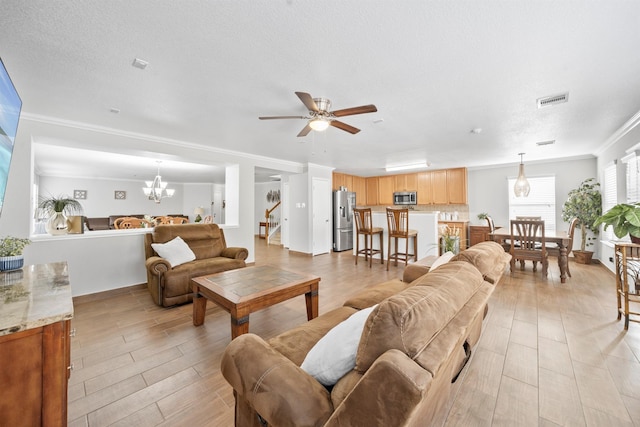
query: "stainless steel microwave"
405, 198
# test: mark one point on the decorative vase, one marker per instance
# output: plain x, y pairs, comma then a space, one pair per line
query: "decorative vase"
57, 224
451, 244
8, 263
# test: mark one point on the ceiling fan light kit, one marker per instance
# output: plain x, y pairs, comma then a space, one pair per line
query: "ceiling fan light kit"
320, 117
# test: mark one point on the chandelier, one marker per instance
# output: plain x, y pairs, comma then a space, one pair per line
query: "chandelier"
157, 190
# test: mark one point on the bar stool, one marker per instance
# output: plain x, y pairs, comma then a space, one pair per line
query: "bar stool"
398, 223
364, 226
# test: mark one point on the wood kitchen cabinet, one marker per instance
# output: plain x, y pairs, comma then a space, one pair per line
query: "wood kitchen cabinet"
457, 186
478, 233
406, 182
386, 187
360, 187
372, 191
342, 180
35, 347
424, 188
440, 193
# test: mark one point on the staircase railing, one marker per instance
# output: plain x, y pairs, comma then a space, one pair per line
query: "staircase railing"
272, 221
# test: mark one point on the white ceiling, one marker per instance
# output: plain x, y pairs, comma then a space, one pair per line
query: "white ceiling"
434, 69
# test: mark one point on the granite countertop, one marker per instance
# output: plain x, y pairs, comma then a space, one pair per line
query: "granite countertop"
34, 296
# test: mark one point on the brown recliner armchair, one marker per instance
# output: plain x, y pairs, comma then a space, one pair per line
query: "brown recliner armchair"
170, 286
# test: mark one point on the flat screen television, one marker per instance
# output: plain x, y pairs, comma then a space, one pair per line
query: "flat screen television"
10, 106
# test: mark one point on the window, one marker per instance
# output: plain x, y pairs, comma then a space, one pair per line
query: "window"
540, 202
610, 194
632, 176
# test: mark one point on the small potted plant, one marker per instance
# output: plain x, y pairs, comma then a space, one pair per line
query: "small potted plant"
585, 204
449, 239
625, 219
11, 257
56, 208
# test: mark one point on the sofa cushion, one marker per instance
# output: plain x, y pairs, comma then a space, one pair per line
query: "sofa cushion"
488, 257
175, 251
335, 354
205, 240
295, 343
409, 320
374, 294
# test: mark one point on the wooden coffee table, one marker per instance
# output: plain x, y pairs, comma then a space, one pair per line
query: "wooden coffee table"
245, 290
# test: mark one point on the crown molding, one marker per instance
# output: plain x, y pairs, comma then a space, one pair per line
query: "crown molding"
627, 127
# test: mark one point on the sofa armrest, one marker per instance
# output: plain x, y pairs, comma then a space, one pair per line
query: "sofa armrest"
157, 265
392, 374
281, 392
235, 253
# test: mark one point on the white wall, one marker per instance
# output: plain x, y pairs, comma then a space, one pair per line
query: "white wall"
488, 192
627, 137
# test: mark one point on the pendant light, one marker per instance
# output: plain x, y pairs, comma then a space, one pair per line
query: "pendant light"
157, 190
522, 187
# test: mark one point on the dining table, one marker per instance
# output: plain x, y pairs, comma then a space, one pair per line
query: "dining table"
561, 238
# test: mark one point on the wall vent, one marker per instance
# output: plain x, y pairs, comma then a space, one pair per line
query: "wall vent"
553, 100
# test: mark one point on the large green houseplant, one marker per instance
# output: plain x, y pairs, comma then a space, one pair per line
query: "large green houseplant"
625, 219
585, 204
56, 209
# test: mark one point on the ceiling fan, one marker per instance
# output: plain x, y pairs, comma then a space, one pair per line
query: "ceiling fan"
321, 118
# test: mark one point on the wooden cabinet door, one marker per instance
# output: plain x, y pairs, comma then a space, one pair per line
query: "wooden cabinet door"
411, 181
360, 187
478, 233
337, 180
425, 193
457, 186
400, 183
439, 187
386, 185
372, 191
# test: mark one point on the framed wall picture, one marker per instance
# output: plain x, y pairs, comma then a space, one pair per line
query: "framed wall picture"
120, 195
79, 194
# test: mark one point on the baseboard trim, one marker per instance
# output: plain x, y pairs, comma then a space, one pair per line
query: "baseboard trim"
81, 299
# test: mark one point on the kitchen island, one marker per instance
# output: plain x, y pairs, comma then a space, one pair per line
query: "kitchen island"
425, 223
35, 315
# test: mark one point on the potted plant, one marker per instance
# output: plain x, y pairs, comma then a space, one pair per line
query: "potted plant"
449, 239
625, 219
56, 208
11, 257
585, 204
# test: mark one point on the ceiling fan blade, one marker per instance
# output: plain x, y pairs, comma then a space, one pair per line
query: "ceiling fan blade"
308, 101
282, 117
305, 131
340, 125
355, 110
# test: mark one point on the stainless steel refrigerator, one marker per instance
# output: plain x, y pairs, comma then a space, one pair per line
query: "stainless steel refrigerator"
343, 204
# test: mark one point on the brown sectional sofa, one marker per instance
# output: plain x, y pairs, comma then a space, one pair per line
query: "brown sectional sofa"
170, 286
413, 346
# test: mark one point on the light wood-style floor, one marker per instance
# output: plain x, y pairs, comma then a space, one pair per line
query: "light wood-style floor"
551, 353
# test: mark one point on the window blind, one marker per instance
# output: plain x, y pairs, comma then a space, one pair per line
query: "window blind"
540, 202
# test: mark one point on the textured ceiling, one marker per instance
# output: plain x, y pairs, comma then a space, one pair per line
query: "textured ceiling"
434, 69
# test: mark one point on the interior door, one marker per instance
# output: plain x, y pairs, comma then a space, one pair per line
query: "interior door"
217, 212
321, 198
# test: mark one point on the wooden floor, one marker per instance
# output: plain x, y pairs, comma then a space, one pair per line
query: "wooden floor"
551, 353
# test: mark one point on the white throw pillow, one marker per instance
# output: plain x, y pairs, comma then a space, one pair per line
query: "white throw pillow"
335, 354
175, 251
442, 259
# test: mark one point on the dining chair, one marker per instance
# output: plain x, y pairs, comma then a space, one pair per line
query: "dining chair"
492, 227
365, 228
555, 249
529, 218
118, 221
398, 224
531, 244
128, 223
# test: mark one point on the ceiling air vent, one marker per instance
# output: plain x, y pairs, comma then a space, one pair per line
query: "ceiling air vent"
553, 100
550, 142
